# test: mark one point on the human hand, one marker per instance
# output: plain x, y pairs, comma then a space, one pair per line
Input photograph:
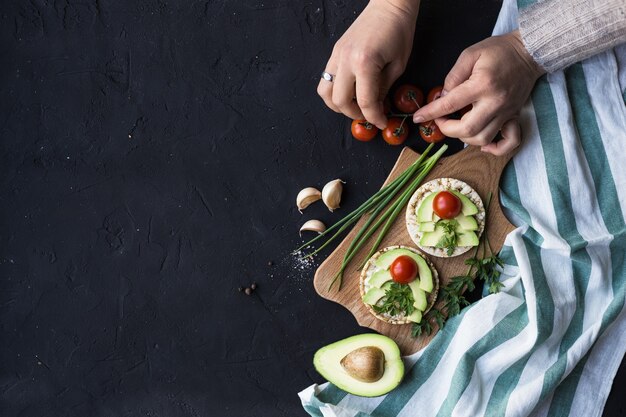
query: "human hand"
368, 58
496, 77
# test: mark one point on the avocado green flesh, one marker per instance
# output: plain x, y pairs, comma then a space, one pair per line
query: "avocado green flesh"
468, 238
385, 260
426, 227
466, 222
432, 238
327, 362
467, 207
425, 211
419, 296
379, 278
372, 295
416, 316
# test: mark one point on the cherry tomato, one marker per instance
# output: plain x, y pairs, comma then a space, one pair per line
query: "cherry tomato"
408, 98
403, 269
434, 94
429, 131
363, 130
446, 205
396, 132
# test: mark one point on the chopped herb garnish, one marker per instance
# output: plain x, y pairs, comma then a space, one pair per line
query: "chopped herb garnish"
449, 240
398, 300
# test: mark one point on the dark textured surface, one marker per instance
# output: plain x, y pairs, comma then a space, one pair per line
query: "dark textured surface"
150, 156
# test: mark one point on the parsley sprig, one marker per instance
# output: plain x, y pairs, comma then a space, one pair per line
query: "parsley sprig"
449, 240
398, 299
486, 268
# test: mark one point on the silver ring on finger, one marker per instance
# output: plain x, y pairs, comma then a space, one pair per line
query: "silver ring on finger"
327, 76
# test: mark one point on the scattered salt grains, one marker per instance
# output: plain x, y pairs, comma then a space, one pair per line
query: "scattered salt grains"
302, 263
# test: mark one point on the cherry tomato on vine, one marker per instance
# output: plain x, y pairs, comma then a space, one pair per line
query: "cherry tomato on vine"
446, 205
396, 131
363, 130
429, 131
408, 98
434, 94
403, 269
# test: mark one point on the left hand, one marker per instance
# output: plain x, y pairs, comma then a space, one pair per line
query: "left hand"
496, 77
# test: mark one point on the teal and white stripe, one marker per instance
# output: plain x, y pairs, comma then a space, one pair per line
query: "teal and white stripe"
551, 342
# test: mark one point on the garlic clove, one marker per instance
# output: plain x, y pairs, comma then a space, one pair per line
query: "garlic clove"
331, 194
313, 226
306, 197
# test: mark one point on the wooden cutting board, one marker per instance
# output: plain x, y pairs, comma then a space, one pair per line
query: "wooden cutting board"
482, 172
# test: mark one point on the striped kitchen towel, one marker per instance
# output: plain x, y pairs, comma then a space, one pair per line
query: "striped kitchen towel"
551, 342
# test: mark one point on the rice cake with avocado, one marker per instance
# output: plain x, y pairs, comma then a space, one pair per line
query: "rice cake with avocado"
429, 190
370, 270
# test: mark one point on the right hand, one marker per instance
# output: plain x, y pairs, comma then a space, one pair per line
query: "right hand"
368, 58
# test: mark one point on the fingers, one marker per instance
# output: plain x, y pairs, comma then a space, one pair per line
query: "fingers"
471, 125
344, 94
511, 139
455, 100
325, 88
461, 70
369, 100
370, 86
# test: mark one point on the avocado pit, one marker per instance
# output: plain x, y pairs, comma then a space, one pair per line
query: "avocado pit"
367, 363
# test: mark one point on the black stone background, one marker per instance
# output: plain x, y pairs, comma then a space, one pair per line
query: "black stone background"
151, 153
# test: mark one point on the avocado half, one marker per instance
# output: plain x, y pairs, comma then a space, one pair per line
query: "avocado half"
348, 363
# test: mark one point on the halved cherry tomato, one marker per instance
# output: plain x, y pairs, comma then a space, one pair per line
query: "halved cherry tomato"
408, 98
434, 94
403, 269
363, 130
429, 131
446, 205
396, 132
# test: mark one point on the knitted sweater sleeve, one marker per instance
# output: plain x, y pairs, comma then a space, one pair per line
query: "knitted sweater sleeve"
558, 33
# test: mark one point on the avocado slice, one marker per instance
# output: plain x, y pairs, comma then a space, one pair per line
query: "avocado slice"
426, 227
419, 295
372, 295
468, 238
385, 260
464, 237
467, 207
328, 362
425, 211
415, 317
379, 278
466, 222
432, 238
